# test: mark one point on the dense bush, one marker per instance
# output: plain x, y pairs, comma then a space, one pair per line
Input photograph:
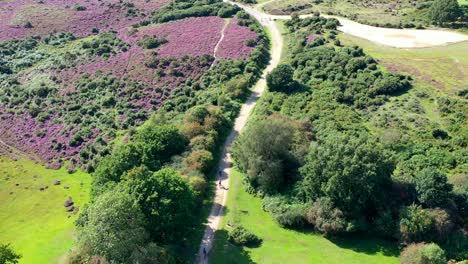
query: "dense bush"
443, 11
422, 254
325, 217
241, 236
286, 213
151, 42
353, 172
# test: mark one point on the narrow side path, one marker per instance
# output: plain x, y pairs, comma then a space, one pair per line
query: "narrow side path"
225, 164
226, 24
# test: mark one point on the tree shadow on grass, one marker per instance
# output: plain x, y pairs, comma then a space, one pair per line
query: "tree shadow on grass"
364, 243
225, 252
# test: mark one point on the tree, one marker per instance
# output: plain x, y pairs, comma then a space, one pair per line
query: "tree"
432, 187
262, 153
281, 78
166, 200
112, 167
353, 172
152, 254
158, 144
423, 254
7, 255
444, 11
114, 227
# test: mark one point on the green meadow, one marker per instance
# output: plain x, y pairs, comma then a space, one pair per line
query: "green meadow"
35, 222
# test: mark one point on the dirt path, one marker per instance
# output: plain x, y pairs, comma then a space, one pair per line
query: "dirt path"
225, 164
226, 24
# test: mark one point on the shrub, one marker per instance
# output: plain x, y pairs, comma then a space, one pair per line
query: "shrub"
423, 254
325, 217
201, 160
415, 224
151, 42
242, 237
443, 11
286, 213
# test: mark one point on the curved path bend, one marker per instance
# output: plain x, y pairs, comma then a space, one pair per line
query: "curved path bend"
392, 37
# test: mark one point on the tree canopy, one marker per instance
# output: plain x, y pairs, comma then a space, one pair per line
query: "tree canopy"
353, 172
165, 199
281, 78
7, 255
114, 227
432, 187
443, 11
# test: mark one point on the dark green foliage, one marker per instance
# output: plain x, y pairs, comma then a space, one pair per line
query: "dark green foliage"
105, 45
443, 11
281, 78
432, 187
423, 254
242, 237
151, 42
192, 8
7, 255
115, 227
263, 153
165, 199
158, 144
353, 172
78, 7
325, 217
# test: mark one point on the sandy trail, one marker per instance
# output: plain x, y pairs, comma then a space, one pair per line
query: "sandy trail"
226, 160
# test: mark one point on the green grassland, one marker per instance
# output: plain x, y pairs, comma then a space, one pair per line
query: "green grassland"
35, 222
288, 246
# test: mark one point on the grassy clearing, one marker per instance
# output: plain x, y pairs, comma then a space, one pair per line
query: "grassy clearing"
34, 221
463, 2
288, 246
442, 67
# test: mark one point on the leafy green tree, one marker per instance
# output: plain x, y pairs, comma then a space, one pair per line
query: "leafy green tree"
353, 172
112, 167
423, 254
114, 227
432, 187
158, 144
443, 11
281, 78
166, 200
7, 255
262, 153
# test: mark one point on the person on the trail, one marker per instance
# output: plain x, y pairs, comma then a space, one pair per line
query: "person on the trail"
219, 182
204, 252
